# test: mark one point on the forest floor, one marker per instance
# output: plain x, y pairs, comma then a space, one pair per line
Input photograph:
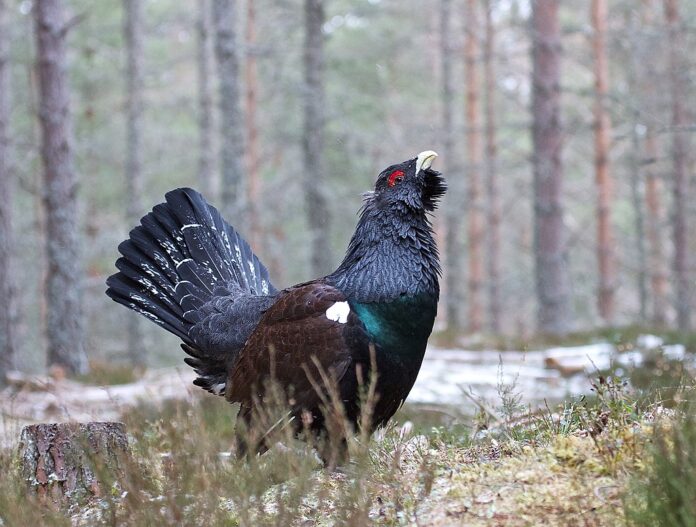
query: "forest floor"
572, 461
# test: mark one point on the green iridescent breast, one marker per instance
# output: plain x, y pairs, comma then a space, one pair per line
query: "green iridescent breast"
400, 327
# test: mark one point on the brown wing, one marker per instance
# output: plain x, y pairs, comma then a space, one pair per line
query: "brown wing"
293, 332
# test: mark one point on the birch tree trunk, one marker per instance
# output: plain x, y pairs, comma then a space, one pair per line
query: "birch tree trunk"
314, 138
204, 62
8, 289
492, 190
680, 186
474, 154
252, 151
453, 249
133, 36
64, 265
602, 140
552, 280
231, 123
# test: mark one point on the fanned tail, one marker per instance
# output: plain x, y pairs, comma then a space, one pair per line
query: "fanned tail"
181, 255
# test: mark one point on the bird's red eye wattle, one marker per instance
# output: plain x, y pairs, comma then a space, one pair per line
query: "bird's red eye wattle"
395, 177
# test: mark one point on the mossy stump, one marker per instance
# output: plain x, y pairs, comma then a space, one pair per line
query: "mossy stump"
68, 463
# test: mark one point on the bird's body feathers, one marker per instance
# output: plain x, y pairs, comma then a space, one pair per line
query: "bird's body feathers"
190, 272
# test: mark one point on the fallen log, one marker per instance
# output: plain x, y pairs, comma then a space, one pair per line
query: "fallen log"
67, 463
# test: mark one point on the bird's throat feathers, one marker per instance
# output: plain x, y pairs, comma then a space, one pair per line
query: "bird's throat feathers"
392, 254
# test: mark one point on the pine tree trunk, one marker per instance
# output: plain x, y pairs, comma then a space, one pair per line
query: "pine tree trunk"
646, 73
204, 61
64, 265
680, 187
473, 172
637, 198
67, 463
314, 138
552, 280
605, 239
634, 74
655, 219
133, 36
231, 123
492, 191
8, 287
252, 150
453, 249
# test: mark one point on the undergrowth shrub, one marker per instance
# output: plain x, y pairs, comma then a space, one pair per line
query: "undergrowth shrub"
664, 492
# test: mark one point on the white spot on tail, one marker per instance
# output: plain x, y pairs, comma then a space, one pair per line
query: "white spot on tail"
184, 261
189, 226
218, 388
338, 312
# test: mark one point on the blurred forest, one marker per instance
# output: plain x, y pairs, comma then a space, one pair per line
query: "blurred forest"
564, 129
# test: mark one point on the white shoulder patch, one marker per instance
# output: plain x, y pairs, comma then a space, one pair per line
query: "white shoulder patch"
338, 312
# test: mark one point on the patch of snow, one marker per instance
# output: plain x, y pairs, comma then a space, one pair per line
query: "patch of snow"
649, 341
674, 352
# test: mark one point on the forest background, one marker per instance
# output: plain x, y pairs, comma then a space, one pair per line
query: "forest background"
564, 130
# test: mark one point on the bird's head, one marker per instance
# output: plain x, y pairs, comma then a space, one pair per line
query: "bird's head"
413, 184
392, 252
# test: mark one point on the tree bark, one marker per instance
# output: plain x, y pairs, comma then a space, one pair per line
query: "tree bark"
680, 186
475, 157
253, 159
133, 33
64, 269
453, 249
231, 125
67, 463
634, 77
637, 198
552, 280
602, 140
204, 61
8, 286
655, 219
645, 73
492, 190
314, 138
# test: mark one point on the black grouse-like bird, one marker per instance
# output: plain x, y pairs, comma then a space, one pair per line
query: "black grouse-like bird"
187, 270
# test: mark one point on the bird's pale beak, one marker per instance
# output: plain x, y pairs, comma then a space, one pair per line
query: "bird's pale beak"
424, 160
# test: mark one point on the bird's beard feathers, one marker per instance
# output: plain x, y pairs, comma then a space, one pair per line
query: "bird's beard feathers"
434, 187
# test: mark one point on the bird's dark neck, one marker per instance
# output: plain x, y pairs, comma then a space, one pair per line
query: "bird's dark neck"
392, 255
390, 277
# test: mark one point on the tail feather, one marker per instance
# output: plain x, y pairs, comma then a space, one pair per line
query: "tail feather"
182, 255
130, 294
155, 260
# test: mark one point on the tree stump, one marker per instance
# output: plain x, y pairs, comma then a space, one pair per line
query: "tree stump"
65, 463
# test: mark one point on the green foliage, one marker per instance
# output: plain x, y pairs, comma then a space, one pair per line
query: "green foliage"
664, 493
